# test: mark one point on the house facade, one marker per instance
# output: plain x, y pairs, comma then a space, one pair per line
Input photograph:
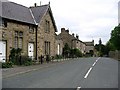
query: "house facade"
32, 30
59, 45
45, 31
79, 45
66, 37
72, 40
17, 30
89, 47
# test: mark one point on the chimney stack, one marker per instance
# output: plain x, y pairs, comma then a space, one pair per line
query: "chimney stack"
40, 3
35, 4
62, 30
77, 36
49, 2
67, 31
73, 34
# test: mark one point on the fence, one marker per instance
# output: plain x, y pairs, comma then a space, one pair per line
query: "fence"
114, 54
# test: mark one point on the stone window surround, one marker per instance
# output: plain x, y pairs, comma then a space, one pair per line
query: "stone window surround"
31, 29
3, 23
47, 26
47, 47
18, 41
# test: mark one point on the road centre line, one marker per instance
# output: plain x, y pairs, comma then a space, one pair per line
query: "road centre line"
97, 59
94, 64
88, 73
91, 68
78, 88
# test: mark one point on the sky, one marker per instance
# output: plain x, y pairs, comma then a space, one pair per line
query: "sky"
90, 19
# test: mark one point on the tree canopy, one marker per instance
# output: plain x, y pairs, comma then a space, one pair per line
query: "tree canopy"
115, 37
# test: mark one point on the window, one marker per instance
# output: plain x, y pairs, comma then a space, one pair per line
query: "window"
16, 33
47, 26
31, 29
58, 49
3, 22
20, 34
18, 40
47, 48
0, 21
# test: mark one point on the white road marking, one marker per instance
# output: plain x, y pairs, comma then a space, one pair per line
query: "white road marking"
78, 88
94, 64
88, 73
91, 68
97, 59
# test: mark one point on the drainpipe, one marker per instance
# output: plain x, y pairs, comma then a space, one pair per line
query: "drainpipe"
36, 42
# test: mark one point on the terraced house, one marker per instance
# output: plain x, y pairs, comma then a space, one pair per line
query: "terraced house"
72, 40
31, 29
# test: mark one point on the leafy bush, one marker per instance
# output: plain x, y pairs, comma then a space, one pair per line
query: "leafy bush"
75, 53
15, 56
25, 60
7, 65
58, 57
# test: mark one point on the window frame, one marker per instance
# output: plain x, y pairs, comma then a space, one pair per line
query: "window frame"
47, 26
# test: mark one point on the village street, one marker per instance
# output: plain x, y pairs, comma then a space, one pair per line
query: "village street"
77, 73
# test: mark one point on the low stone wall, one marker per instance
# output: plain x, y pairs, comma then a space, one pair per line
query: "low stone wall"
114, 54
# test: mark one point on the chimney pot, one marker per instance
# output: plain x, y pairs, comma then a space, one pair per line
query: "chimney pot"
73, 34
67, 31
62, 29
77, 36
40, 3
35, 4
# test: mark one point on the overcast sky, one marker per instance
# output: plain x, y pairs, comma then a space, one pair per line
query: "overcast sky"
90, 19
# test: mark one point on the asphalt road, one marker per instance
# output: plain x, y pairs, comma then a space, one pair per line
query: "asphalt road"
82, 73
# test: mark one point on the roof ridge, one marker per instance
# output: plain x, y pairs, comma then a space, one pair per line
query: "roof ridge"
33, 16
18, 4
39, 6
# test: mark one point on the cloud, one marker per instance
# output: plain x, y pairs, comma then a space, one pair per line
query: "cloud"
88, 18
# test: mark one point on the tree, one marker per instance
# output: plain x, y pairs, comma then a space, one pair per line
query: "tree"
75, 53
110, 46
102, 51
115, 37
66, 50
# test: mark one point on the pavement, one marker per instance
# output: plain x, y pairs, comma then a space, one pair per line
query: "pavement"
75, 73
8, 72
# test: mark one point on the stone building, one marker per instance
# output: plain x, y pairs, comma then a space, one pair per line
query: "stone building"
66, 37
46, 29
79, 44
89, 46
72, 40
17, 30
31, 29
59, 45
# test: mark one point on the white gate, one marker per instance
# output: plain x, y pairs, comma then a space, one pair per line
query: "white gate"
31, 50
2, 51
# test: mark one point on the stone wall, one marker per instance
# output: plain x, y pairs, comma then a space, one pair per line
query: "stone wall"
60, 43
42, 36
71, 40
67, 38
114, 54
9, 36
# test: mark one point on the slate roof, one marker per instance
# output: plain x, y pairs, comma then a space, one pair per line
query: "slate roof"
39, 11
32, 15
89, 43
13, 11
